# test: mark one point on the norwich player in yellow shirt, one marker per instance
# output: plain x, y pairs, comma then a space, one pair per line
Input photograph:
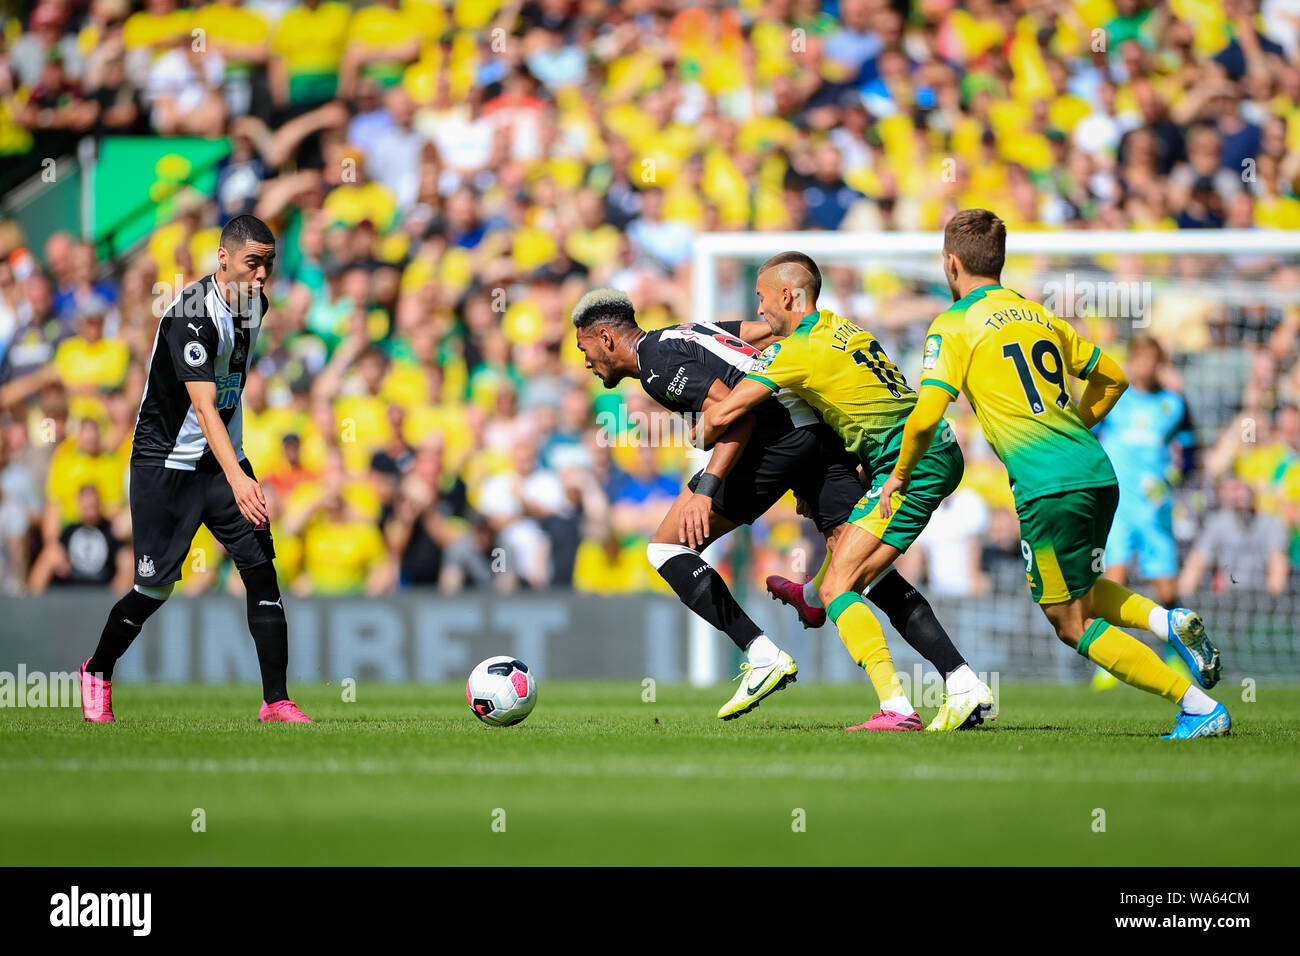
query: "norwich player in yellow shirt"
842, 371
1012, 358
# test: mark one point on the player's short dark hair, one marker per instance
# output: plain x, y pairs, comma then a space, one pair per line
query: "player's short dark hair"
801, 259
244, 229
604, 307
978, 239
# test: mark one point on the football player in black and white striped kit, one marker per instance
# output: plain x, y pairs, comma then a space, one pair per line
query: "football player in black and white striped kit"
188, 468
784, 446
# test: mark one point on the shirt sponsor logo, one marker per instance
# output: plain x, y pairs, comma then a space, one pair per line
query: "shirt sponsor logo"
678, 384
195, 354
930, 357
228, 390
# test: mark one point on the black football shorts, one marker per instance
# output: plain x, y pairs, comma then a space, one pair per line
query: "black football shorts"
167, 507
810, 461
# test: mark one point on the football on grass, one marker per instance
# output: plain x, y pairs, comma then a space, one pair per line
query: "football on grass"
501, 691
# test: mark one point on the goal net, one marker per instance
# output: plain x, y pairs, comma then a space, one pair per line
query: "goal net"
1224, 307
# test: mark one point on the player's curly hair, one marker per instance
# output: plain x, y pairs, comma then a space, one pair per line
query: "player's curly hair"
605, 307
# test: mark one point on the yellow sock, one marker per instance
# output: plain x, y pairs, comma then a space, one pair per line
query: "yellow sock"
1120, 606
865, 640
1131, 661
820, 576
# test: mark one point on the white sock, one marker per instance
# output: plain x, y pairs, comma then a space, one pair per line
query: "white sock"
961, 680
811, 597
761, 651
1197, 701
898, 705
1158, 622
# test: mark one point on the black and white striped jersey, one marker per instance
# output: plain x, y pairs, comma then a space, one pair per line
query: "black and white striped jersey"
199, 340
679, 364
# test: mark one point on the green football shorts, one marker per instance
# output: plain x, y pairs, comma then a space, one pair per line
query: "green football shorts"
1063, 540
936, 476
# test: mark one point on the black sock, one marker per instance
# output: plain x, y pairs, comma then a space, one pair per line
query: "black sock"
912, 617
123, 627
269, 628
703, 591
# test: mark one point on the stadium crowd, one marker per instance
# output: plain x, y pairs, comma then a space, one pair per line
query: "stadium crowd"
447, 177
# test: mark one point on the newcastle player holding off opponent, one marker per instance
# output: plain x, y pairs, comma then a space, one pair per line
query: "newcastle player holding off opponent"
782, 446
188, 468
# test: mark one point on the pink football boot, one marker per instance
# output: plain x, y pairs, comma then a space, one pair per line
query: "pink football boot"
282, 712
888, 720
96, 697
787, 592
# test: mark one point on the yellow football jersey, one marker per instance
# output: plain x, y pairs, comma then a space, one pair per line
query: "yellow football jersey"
71, 470
339, 556
842, 371
104, 363
380, 29
144, 30
237, 26
1012, 358
311, 44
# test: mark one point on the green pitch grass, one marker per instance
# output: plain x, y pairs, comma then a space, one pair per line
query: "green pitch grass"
405, 775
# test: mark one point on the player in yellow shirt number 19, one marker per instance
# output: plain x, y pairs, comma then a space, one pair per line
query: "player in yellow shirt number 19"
1011, 357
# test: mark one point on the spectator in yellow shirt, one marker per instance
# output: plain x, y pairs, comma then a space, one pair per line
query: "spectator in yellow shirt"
72, 467
382, 40
87, 362
342, 552
308, 46
155, 28
241, 35
353, 198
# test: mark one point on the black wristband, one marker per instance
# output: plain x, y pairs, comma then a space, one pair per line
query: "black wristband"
708, 485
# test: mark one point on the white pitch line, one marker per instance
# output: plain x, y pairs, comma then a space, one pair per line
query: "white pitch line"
685, 771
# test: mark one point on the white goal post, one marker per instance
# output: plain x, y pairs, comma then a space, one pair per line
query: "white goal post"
916, 256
